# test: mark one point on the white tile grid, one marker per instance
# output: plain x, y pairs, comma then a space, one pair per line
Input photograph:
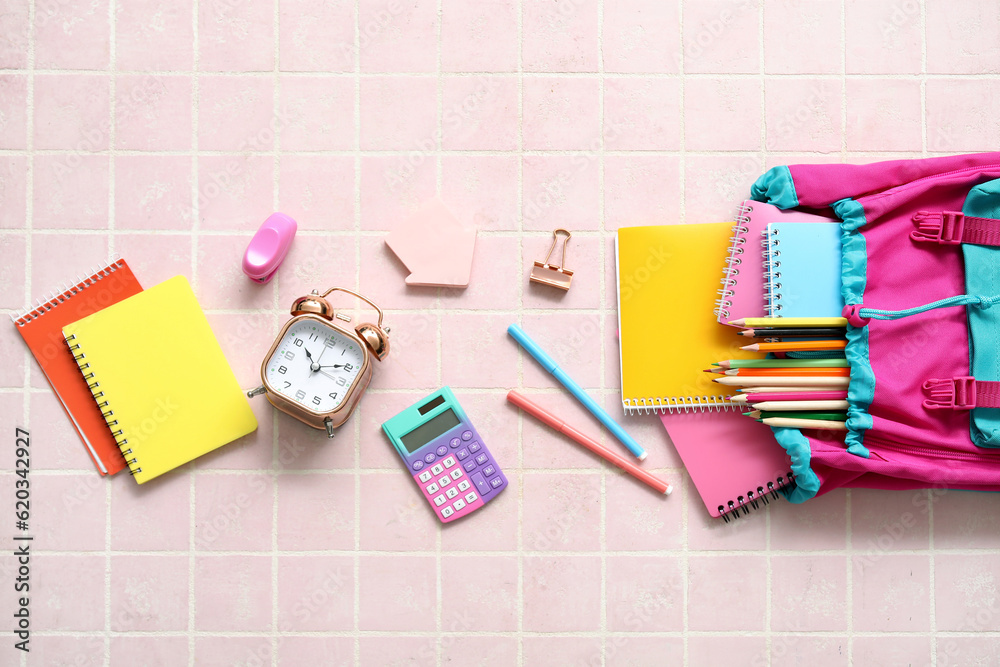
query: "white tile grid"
684, 492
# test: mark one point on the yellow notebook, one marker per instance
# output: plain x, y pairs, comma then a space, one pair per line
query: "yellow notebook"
668, 281
160, 378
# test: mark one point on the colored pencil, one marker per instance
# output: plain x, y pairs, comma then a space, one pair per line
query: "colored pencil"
558, 424
784, 422
769, 389
740, 399
796, 322
784, 381
777, 332
795, 395
783, 363
772, 406
761, 415
787, 372
796, 346
778, 389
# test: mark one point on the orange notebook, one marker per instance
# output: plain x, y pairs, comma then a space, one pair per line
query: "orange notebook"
41, 327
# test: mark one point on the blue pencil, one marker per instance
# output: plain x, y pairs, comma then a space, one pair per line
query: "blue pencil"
552, 367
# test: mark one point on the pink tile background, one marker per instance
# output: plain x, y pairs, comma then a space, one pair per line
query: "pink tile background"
167, 131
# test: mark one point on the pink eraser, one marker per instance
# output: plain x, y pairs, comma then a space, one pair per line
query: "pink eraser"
268, 247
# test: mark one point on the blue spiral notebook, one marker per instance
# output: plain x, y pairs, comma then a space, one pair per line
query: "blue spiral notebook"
802, 269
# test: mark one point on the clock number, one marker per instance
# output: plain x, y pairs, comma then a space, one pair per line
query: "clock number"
316, 400
348, 367
287, 384
300, 395
341, 381
282, 369
329, 342
289, 355
333, 395
313, 337
298, 342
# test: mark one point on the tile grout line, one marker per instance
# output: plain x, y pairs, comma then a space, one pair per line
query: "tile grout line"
356, 556
195, 215
275, 287
439, 168
602, 319
520, 320
112, 138
682, 486
29, 223
768, 556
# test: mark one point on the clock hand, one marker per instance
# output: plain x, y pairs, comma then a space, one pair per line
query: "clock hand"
334, 366
313, 366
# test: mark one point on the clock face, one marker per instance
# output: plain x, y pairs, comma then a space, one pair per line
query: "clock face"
314, 365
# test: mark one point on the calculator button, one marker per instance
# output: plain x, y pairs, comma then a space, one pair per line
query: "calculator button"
470, 497
459, 505
470, 466
444, 481
496, 482
449, 462
451, 493
462, 454
437, 469
441, 451
480, 483
455, 474
464, 485
425, 476
430, 458
447, 512
432, 488
417, 465
455, 442
475, 447
439, 501
489, 470
467, 435
481, 459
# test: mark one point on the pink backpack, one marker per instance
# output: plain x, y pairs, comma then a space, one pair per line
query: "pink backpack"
921, 276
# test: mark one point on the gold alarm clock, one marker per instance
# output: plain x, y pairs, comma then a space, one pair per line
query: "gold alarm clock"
319, 367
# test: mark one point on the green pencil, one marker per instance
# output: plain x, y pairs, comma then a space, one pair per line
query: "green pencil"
765, 414
783, 363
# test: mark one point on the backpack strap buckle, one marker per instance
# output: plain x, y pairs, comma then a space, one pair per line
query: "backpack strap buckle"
953, 227
961, 393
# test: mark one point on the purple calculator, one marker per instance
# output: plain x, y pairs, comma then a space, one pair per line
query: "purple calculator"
446, 456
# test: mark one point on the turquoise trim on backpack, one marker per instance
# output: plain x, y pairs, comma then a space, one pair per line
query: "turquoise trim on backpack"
982, 276
775, 187
797, 447
854, 278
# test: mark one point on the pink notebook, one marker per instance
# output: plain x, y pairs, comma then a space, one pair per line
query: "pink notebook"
735, 463
743, 284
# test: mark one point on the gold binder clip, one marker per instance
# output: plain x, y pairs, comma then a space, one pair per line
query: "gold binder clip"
551, 274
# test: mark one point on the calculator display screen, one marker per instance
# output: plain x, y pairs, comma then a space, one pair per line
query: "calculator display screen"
424, 433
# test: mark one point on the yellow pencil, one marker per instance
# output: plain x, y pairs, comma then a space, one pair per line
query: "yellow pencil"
785, 381
787, 422
790, 322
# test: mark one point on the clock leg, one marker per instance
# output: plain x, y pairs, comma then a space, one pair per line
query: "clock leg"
329, 427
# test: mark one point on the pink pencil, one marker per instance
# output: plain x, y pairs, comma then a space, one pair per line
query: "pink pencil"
550, 419
798, 396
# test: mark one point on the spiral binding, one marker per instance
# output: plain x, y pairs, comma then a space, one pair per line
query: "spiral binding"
646, 406
56, 297
756, 500
772, 272
106, 411
731, 269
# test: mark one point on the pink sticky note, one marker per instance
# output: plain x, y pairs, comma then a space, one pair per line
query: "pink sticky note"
434, 246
